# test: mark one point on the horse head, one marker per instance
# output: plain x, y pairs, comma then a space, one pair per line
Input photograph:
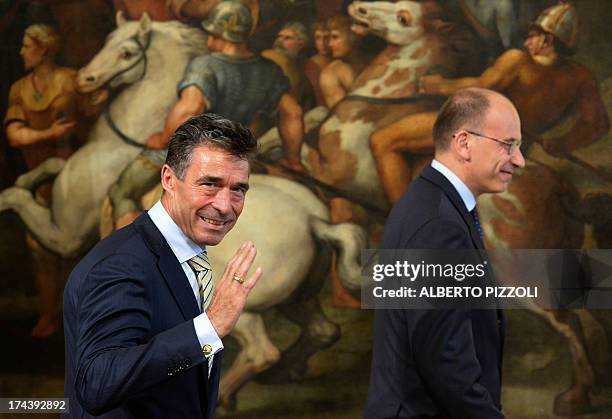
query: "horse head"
398, 23
123, 59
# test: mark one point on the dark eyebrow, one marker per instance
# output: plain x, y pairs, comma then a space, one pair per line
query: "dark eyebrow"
217, 180
209, 179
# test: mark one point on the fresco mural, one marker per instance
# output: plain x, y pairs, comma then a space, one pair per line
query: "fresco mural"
343, 105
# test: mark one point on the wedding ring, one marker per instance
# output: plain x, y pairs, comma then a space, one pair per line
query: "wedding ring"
239, 279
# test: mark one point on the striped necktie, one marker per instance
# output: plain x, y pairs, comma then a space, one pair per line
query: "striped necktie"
476, 219
203, 272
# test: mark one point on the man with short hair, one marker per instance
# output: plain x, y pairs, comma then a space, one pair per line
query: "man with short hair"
447, 363
335, 79
315, 64
231, 81
348, 60
143, 320
292, 39
286, 52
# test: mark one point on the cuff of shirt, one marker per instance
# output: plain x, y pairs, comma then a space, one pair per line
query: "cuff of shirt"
207, 336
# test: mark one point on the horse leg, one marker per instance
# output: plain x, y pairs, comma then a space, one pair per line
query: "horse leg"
38, 219
42, 173
47, 269
257, 353
575, 400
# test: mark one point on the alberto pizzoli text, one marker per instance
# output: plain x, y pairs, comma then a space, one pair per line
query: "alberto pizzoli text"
457, 292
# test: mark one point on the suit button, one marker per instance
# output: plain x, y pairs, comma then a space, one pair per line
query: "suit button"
207, 349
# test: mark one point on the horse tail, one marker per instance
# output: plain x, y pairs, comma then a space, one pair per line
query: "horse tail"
348, 240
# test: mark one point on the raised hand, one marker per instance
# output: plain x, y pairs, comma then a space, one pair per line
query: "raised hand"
232, 290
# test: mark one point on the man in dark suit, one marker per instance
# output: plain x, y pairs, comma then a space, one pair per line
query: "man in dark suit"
143, 319
447, 363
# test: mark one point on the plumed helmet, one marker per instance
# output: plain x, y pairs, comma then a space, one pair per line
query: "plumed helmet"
562, 22
230, 20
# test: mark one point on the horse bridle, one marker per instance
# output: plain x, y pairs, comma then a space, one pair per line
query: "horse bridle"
107, 116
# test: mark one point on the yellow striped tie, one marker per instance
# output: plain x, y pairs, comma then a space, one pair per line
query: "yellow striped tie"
203, 272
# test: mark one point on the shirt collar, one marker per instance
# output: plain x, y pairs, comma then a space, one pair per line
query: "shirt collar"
464, 192
181, 245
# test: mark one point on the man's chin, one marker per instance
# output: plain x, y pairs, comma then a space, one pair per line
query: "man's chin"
212, 236
209, 238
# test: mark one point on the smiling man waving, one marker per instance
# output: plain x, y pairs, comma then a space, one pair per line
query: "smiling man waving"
143, 319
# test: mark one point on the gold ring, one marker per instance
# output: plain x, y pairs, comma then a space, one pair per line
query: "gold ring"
237, 278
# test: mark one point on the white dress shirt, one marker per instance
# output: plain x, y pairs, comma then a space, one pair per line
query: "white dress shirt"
464, 192
184, 249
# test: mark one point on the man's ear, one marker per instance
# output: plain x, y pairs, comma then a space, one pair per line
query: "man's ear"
460, 145
168, 178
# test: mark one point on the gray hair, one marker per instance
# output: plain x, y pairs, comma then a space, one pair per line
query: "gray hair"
466, 107
300, 30
211, 130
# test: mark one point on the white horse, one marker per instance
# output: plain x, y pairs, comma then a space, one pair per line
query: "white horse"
150, 57
294, 237
288, 223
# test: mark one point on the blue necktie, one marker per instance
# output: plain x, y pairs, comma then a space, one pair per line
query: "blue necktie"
476, 219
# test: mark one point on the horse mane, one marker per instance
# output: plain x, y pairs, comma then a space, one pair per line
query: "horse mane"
191, 40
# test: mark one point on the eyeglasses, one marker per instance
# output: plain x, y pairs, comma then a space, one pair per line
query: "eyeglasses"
510, 145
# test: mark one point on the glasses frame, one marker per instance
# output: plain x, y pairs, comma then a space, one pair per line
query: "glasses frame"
510, 145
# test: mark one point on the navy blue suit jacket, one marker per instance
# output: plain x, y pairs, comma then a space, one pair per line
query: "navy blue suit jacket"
131, 347
435, 363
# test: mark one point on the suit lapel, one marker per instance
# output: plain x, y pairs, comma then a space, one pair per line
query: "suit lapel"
175, 278
435, 177
438, 179
171, 270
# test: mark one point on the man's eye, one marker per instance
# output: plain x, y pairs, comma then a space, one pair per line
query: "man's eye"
126, 55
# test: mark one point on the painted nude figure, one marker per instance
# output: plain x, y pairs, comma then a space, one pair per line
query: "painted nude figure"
543, 83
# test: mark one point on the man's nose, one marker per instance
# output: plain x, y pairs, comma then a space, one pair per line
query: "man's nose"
222, 201
517, 158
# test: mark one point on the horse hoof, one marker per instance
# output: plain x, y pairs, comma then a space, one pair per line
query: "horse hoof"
571, 403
